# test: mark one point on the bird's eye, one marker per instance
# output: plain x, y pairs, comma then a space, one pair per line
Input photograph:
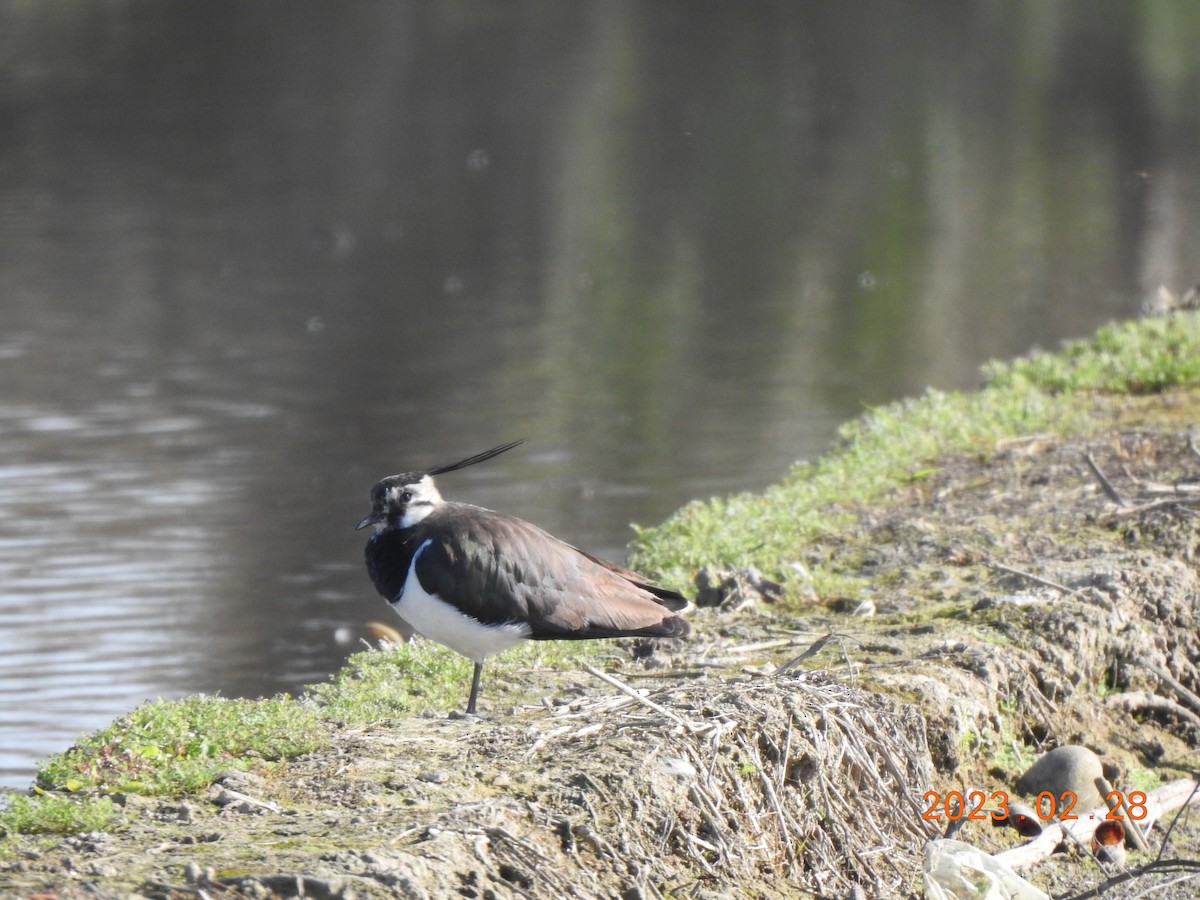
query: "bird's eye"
406, 496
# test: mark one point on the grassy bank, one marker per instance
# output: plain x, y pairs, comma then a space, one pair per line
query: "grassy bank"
904, 441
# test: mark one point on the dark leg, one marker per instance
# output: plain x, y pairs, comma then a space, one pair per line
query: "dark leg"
474, 689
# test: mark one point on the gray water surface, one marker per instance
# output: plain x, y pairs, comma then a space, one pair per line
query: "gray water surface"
254, 256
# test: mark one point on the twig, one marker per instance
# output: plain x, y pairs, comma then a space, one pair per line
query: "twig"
495, 832
785, 834
1165, 503
1105, 484
1034, 578
229, 796
813, 649
1154, 487
692, 842
645, 701
1166, 865
751, 649
662, 674
543, 738
708, 811
1167, 835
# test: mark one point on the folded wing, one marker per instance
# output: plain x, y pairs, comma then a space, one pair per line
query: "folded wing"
498, 569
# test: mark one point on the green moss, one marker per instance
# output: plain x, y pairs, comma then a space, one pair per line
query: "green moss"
1004, 756
44, 813
1136, 357
1142, 779
178, 746
174, 746
374, 686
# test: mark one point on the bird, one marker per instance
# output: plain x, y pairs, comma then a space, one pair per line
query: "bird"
481, 581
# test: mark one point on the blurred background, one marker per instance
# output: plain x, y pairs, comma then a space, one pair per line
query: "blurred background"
255, 256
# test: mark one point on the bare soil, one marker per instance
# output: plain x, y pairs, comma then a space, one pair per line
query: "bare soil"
1010, 605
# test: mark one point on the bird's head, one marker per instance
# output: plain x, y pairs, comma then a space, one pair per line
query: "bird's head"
404, 500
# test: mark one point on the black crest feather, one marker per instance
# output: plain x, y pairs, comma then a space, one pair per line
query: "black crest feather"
477, 458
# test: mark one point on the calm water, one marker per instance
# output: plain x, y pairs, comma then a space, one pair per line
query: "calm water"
254, 256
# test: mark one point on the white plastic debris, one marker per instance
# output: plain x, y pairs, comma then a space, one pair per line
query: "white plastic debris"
677, 766
958, 871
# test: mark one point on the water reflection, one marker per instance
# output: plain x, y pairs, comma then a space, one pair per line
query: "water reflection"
256, 257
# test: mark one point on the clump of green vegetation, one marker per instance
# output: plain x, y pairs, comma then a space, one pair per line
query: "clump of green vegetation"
170, 747
885, 447
56, 814
904, 440
1137, 357
1143, 779
174, 746
374, 686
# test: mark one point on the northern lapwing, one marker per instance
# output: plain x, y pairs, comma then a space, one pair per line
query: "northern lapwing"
480, 581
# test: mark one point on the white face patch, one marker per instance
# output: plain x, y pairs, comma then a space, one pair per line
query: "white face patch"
423, 498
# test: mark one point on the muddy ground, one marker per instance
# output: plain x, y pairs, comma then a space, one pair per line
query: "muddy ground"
1016, 607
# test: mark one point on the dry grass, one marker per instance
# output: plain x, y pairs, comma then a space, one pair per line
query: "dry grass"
799, 777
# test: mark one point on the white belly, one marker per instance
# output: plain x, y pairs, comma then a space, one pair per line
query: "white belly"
437, 620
